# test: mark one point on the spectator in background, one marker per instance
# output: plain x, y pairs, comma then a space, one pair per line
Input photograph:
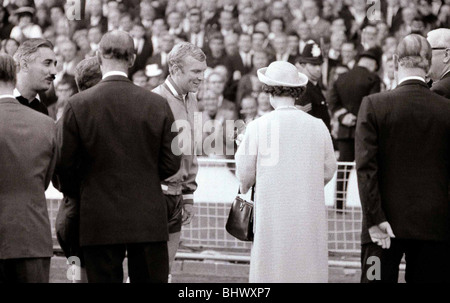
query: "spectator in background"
167, 42
159, 27
196, 34
304, 33
293, 41
249, 109
389, 80
214, 120
68, 50
174, 21
249, 84
94, 11
25, 29
216, 84
143, 47
64, 90
247, 20
154, 75
264, 106
217, 55
94, 37
231, 44
320, 28
140, 79
348, 54
5, 25
280, 45
9, 46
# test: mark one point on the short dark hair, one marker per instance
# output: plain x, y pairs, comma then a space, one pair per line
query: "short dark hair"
117, 45
88, 73
284, 91
7, 69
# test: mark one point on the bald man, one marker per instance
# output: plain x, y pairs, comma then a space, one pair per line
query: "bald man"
439, 40
116, 139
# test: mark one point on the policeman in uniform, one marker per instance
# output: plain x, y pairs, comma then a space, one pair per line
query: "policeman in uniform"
313, 101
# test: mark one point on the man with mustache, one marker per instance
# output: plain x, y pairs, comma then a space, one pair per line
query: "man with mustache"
36, 63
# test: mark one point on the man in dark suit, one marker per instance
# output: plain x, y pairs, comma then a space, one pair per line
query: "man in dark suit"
403, 167
439, 40
393, 15
313, 101
37, 70
143, 47
345, 98
167, 42
116, 138
27, 159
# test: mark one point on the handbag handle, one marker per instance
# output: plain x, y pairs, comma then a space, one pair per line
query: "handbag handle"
253, 193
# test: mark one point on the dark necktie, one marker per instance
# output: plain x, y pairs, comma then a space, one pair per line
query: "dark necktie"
35, 104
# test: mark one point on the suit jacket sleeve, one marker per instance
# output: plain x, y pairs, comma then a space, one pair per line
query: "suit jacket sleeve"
376, 88
170, 160
366, 149
330, 166
335, 103
246, 158
68, 141
51, 168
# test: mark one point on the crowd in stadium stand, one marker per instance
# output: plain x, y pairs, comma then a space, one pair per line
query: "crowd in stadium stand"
238, 37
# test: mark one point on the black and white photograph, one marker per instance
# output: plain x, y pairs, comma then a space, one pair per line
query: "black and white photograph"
224, 146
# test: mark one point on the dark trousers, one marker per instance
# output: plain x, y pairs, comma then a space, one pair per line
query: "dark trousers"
147, 263
426, 261
346, 154
29, 270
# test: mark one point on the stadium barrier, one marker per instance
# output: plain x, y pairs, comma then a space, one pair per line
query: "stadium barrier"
206, 237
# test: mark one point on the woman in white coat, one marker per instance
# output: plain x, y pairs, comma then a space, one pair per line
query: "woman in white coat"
289, 155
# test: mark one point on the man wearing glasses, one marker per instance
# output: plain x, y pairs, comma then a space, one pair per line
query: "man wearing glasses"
439, 40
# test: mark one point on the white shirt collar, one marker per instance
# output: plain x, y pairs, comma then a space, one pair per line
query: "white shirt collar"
16, 94
7, 97
115, 73
411, 78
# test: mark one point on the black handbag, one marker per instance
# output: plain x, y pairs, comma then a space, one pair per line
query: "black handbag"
240, 218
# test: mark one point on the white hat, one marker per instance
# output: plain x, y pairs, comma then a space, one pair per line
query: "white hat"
153, 70
281, 73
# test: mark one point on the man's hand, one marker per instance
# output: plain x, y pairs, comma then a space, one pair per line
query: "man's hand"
381, 234
349, 120
188, 213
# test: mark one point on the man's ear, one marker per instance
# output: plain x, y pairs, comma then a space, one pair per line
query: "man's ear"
447, 56
99, 57
131, 61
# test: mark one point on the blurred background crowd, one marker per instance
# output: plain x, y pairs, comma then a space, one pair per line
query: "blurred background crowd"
325, 39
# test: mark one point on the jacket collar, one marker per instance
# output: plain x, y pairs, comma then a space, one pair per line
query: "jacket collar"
413, 82
115, 78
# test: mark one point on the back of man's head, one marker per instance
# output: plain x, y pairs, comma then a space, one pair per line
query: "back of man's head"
117, 46
26, 51
88, 73
414, 52
7, 70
